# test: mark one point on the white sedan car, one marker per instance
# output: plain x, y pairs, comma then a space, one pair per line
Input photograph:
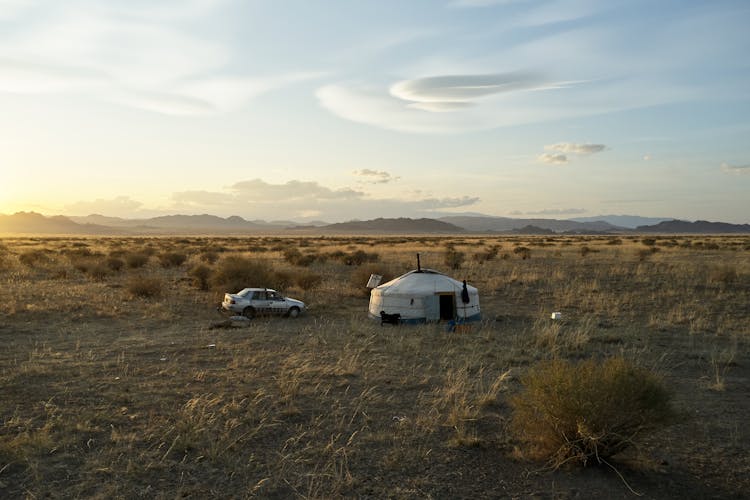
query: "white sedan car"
259, 301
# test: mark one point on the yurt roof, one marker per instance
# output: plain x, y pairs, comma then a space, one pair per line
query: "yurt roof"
421, 281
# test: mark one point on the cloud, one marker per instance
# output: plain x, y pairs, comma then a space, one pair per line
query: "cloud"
579, 149
553, 158
735, 169
457, 103
134, 54
121, 205
463, 89
558, 211
261, 191
562, 150
373, 107
22, 77
375, 176
303, 199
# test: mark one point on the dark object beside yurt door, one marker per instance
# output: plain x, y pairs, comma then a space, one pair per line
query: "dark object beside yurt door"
447, 307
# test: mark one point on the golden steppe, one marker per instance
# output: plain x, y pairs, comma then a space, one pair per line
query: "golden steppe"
117, 381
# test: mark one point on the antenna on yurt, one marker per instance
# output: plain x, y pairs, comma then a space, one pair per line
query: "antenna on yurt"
419, 266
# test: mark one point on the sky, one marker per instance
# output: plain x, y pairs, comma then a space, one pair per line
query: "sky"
340, 110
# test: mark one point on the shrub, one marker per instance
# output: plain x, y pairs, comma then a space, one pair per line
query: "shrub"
136, 260
200, 275
297, 258
523, 252
83, 264
308, 281
649, 241
292, 254
234, 273
453, 258
488, 254
99, 271
144, 287
614, 241
585, 250
209, 257
172, 259
359, 257
115, 264
645, 253
281, 280
587, 411
33, 258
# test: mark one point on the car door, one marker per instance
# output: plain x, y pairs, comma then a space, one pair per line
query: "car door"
276, 303
261, 302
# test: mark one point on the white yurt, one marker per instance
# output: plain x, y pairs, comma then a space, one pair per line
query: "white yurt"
425, 295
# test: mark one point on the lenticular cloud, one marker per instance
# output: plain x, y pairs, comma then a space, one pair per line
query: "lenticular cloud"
449, 92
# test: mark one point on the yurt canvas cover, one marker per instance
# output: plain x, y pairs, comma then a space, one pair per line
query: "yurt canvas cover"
425, 295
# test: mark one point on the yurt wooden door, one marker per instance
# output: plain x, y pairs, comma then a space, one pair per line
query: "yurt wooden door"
447, 306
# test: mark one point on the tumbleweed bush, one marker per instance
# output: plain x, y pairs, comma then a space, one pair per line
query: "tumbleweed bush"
588, 411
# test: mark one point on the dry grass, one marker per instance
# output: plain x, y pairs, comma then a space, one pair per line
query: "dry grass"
108, 393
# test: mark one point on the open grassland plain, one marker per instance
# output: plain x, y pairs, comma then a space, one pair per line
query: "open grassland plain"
116, 381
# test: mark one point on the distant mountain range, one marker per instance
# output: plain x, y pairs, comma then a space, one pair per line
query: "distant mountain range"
506, 224
34, 223
697, 227
629, 221
400, 225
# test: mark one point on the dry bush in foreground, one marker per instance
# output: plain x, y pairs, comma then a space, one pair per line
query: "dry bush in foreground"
588, 411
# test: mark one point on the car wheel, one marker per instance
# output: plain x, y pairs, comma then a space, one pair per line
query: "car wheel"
249, 312
294, 312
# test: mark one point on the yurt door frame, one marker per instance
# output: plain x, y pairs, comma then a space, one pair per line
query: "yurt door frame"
447, 306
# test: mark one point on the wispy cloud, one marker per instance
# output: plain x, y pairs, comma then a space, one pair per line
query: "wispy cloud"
558, 211
735, 169
553, 158
370, 176
121, 205
563, 150
579, 149
142, 56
